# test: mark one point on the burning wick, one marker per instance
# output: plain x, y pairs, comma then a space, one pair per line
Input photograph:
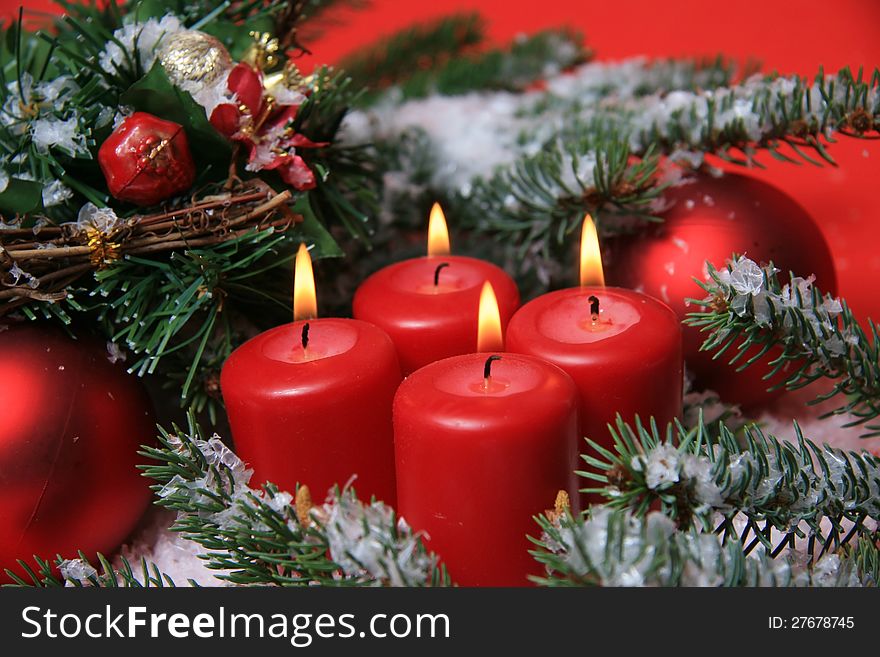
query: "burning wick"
487, 370
594, 309
437, 273
305, 337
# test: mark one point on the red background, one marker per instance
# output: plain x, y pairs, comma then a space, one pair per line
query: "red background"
790, 36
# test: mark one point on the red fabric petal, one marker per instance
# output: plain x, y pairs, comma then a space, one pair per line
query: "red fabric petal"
225, 118
248, 86
299, 140
297, 174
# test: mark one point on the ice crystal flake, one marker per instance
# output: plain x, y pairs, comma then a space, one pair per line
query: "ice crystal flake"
115, 353
365, 541
18, 275
137, 40
101, 219
64, 134
76, 570
661, 466
56, 193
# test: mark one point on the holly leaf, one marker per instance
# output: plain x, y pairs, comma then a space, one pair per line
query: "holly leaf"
156, 94
21, 196
312, 231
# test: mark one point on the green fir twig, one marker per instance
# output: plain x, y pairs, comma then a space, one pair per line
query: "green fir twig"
748, 312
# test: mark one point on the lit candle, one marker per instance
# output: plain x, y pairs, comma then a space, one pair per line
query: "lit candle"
482, 443
310, 402
429, 305
622, 348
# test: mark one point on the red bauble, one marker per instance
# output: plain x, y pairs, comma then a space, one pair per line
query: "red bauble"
146, 160
711, 219
71, 423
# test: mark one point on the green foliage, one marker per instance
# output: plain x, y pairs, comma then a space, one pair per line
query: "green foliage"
392, 60
450, 60
541, 200
616, 548
347, 189
778, 494
701, 508
109, 577
817, 336
513, 69
261, 537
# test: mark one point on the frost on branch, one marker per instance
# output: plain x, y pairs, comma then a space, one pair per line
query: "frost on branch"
370, 544
818, 337
766, 492
617, 548
269, 536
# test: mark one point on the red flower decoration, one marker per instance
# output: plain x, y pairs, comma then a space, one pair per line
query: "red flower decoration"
264, 128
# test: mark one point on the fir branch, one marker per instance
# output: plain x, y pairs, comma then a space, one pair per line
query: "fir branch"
616, 548
80, 572
763, 112
270, 537
816, 335
392, 60
527, 60
541, 199
781, 493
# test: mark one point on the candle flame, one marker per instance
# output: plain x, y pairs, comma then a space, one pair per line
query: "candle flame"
591, 258
438, 233
305, 303
489, 336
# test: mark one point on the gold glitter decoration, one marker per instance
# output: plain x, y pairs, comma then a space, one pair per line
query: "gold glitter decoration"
289, 78
303, 505
102, 250
194, 57
263, 54
560, 507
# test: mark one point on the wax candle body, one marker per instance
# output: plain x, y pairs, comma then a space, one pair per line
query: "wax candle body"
428, 322
628, 362
319, 415
476, 462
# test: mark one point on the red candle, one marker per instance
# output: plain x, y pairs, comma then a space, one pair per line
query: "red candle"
622, 348
478, 456
429, 305
310, 402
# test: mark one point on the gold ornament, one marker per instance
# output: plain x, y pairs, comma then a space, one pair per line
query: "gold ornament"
289, 78
263, 53
193, 57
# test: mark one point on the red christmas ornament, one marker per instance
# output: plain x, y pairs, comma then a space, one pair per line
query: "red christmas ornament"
146, 160
711, 219
71, 423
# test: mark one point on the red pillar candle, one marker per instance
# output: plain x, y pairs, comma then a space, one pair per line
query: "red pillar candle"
429, 305
478, 456
313, 405
621, 347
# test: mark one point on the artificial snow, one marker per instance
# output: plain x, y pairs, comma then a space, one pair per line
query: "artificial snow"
137, 40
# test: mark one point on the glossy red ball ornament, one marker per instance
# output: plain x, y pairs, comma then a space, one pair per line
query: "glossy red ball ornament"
710, 219
146, 160
71, 423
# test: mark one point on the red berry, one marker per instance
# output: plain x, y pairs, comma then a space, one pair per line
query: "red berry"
139, 156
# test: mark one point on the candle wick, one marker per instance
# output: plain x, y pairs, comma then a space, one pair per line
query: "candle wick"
305, 336
437, 272
594, 309
487, 370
